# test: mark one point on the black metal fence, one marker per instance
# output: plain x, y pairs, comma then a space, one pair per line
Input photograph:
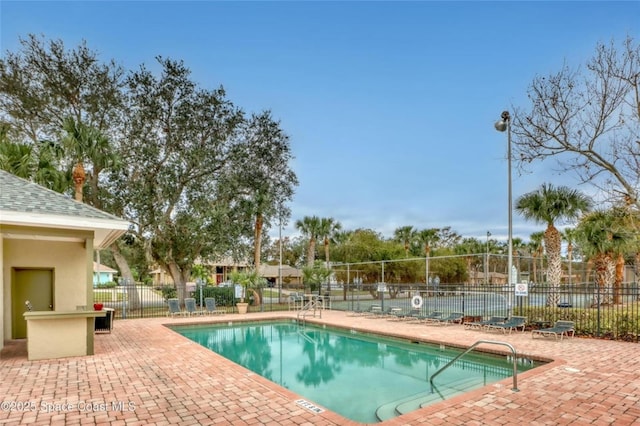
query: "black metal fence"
142, 301
611, 313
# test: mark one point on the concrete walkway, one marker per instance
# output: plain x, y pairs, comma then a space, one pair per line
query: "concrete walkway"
145, 374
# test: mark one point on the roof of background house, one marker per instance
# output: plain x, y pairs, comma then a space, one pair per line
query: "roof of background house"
24, 203
103, 268
273, 271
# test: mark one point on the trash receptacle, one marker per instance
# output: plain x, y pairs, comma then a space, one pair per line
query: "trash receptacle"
105, 324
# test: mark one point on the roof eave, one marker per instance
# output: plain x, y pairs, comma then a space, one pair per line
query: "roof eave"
106, 231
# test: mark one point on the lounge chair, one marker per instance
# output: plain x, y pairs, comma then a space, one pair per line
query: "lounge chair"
433, 316
362, 312
478, 325
412, 315
513, 323
453, 318
561, 328
174, 307
380, 313
400, 314
190, 306
405, 315
210, 306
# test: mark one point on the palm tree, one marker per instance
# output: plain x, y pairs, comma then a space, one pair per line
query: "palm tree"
405, 235
428, 238
547, 205
87, 144
603, 238
517, 246
470, 248
537, 251
328, 229
261, 202
38, 163
569, 235
310, 227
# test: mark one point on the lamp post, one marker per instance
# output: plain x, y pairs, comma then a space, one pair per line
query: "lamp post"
486, 266
504, 124
280, 261
199, 284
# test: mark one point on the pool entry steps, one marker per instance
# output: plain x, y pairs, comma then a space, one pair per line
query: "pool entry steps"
423, 399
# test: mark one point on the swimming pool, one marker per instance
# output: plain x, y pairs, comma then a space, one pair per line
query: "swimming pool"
364, 377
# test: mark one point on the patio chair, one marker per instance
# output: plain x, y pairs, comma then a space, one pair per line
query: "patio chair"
190, 306
296, 301
210, 306
453, 318
478, 325
174, 307
513, 323
561, 328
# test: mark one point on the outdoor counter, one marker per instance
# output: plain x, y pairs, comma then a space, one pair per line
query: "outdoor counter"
58, 334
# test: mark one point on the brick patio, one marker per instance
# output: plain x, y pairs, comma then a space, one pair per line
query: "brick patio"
143, 373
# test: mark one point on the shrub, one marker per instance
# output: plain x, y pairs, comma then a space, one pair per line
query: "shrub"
168, 292
223, 295
109, 284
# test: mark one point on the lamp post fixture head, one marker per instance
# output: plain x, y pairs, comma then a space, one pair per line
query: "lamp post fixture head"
501, 125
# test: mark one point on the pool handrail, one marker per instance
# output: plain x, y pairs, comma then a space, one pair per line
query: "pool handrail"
479, 342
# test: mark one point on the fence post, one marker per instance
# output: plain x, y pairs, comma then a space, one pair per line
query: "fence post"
598, 309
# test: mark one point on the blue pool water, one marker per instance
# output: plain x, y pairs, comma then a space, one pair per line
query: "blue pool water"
363, 377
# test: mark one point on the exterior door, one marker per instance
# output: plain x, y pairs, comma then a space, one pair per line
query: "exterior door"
34, 285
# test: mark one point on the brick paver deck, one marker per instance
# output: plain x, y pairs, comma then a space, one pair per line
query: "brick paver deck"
143, 373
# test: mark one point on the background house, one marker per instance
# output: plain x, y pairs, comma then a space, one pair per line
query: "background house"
102, 274
290, 275
220, 270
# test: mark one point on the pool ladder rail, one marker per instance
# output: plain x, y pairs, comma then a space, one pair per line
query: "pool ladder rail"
312, 306
479, 342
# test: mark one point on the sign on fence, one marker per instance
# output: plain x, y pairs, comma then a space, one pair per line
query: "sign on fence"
522, 289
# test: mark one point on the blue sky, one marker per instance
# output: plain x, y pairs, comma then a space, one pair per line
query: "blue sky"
389, 105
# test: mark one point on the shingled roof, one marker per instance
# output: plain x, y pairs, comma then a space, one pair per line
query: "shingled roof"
24, 203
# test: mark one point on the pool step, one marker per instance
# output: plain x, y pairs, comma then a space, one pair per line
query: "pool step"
444, 392
413, 402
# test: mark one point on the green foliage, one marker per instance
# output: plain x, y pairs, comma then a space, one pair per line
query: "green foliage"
223, 295
199, 271
618, 324
316, 275
606, 232
109, 284
190, 162
309, 226
195, 170
168, 292
248, 279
